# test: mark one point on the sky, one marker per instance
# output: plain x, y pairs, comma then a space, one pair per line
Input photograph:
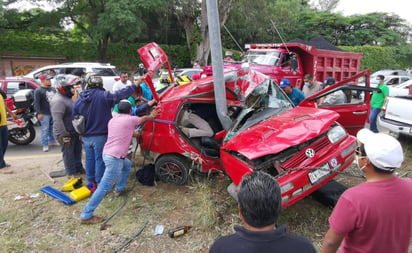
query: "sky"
400, 7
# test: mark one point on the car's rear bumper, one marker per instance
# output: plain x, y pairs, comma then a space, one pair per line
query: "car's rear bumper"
395, 126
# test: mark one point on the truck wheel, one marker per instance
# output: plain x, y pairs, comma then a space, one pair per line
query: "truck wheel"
172, 169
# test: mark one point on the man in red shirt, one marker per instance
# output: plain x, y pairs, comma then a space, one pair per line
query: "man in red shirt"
375, 216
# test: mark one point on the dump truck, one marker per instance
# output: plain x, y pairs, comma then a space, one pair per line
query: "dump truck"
294, 60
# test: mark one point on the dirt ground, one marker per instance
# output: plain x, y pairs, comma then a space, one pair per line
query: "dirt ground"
31, 221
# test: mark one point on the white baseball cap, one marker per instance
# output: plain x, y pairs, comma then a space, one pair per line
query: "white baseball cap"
384, 151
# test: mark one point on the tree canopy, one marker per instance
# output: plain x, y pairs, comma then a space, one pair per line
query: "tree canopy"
185, 22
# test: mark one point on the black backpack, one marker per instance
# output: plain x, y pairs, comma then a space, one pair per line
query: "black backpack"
146, 175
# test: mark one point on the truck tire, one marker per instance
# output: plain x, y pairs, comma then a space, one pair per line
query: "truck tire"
172, 169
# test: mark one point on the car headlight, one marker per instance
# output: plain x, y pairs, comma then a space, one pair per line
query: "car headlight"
336, 134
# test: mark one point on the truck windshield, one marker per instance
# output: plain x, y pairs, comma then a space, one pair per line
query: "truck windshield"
262, 57
266, 101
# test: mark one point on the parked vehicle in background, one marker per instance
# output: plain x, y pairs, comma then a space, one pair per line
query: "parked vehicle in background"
390, 72
108, 72
294, 60
385, 73
402, 89
303, 147
389, 80
10, 85
187, 72
396, 115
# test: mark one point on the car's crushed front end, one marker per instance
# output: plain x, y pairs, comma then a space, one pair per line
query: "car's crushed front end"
302, 147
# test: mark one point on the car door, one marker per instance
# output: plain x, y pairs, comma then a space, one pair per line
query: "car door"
355, 111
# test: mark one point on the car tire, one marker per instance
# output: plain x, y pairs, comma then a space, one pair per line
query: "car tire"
172, 169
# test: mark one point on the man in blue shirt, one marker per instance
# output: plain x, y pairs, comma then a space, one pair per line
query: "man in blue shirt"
294, 94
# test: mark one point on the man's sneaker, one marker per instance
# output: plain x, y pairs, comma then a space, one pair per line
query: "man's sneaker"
92, 220
45, 148
6, 171
56, 144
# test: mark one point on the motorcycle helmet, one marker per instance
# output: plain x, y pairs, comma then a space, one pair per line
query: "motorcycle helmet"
93, 81
64, 84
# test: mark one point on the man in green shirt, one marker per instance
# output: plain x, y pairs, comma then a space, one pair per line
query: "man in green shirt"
377, 101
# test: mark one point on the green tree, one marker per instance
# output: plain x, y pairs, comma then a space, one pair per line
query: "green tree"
105, 21
381, 29
263, 21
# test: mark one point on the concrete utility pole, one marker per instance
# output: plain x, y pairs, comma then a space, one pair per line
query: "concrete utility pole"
217, 62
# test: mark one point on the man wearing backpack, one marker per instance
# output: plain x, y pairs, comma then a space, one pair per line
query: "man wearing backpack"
100, 103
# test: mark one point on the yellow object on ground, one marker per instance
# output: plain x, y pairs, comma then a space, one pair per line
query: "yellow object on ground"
81, 193
72, 184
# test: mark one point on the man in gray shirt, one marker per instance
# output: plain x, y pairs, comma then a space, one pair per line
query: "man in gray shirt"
61, 109
311, 86
336, 98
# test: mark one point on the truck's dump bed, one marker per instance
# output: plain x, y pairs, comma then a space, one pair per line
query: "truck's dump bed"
323, 63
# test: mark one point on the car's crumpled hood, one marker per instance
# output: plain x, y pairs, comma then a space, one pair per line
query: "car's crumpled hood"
281, 132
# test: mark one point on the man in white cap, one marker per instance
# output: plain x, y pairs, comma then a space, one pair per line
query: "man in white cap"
374, 216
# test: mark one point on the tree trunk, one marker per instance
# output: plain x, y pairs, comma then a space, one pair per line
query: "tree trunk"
188, 25
203, 48
102, 49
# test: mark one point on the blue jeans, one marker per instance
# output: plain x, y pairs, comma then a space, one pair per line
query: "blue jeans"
72, 155
116, 169
373, 118
4, 142
47, 130
93, 147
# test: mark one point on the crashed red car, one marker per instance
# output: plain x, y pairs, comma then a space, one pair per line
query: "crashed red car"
302, 147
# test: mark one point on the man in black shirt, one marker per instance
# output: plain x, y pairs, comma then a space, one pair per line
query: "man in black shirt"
259, 207
42, 98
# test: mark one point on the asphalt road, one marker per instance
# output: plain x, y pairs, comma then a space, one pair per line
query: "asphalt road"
33, 150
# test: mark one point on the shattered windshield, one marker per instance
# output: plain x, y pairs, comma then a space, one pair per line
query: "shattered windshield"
266, 101
262, 57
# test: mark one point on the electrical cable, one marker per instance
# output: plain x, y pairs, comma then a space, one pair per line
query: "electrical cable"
231, 36
129, 240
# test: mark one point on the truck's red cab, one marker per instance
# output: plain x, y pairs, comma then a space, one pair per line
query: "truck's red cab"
303, 147
294, 60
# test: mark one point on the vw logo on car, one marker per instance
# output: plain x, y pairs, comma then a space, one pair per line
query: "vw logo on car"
310, 152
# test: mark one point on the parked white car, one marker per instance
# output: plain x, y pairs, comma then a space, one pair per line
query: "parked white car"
400, 89
396, 115
389, 80
108, 72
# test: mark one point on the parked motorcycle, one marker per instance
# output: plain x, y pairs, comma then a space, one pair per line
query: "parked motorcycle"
21, 131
